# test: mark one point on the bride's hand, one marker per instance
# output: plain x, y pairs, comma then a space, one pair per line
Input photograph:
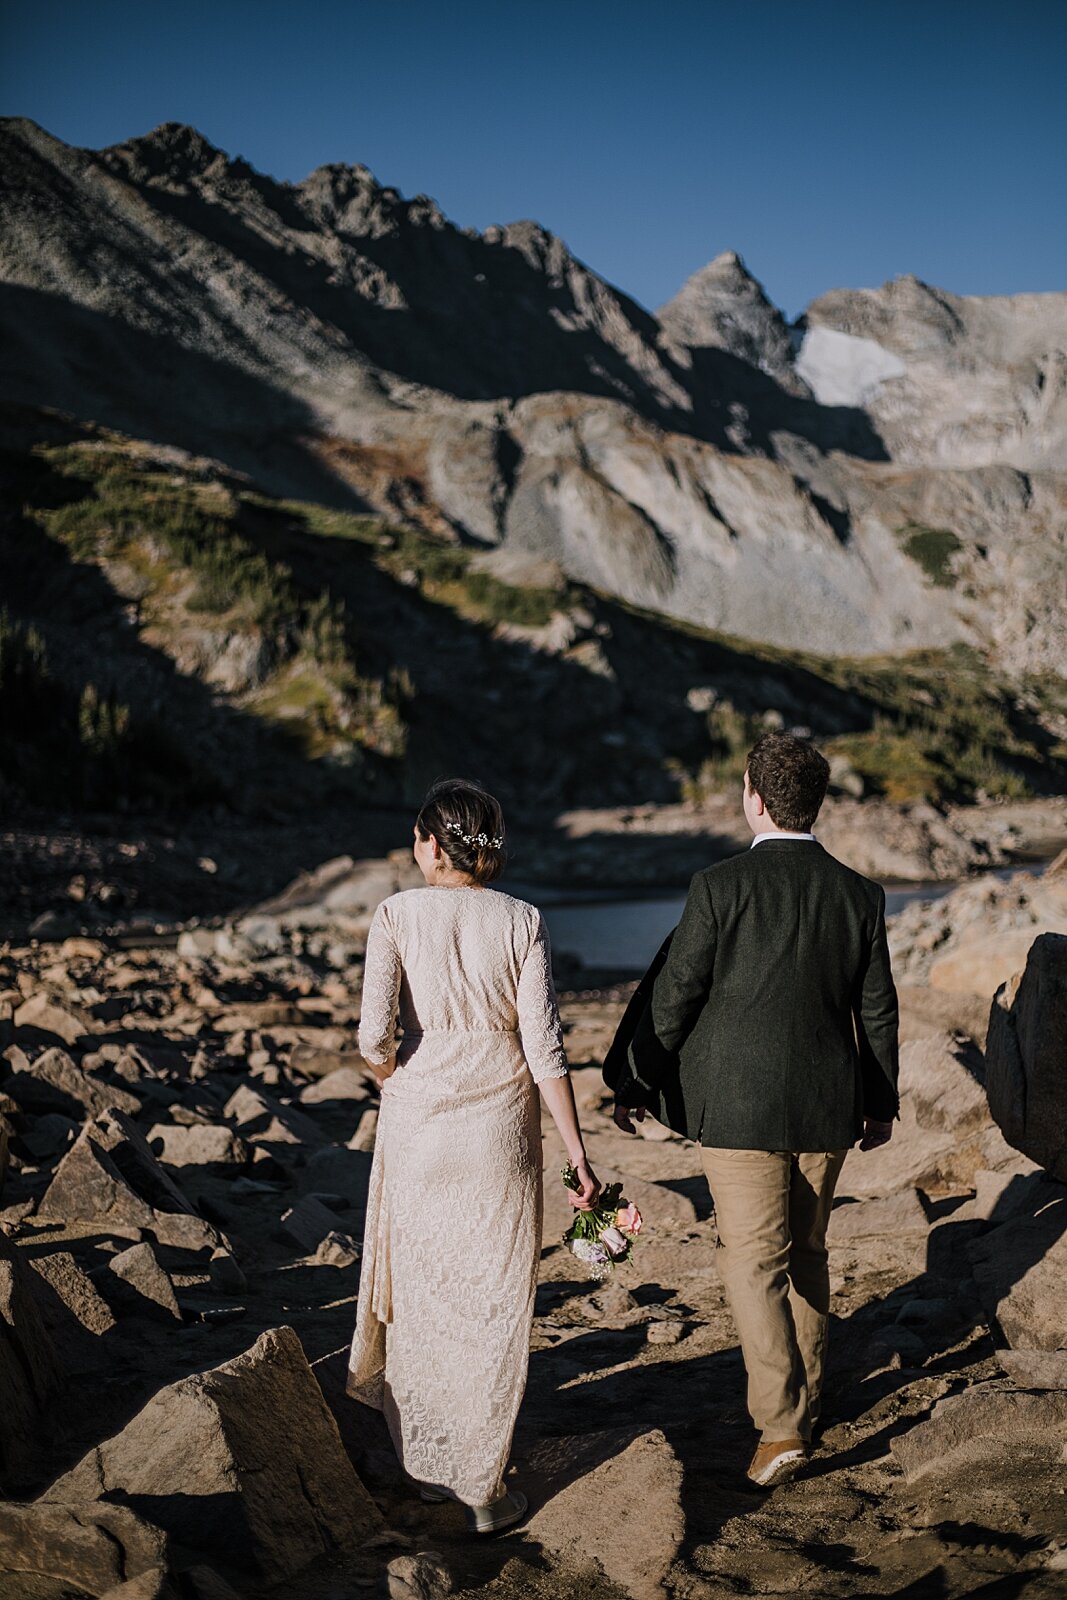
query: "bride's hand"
587, 1194
386, 1070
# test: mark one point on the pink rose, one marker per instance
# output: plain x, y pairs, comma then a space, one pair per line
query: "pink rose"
629, 1219
614, 1243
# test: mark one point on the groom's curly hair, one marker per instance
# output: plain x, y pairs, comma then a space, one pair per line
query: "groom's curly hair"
790, 776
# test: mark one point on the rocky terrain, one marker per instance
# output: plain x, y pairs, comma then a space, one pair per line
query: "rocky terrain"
185, 1134
884, 476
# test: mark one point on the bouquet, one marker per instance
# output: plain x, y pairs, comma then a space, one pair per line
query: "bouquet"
605, 1236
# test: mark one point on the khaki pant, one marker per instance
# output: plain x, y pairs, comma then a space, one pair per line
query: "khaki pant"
772, 1208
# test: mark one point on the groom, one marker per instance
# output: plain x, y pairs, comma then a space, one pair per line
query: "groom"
777, 999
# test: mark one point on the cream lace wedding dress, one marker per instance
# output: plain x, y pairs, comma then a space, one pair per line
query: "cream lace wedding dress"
453, 1230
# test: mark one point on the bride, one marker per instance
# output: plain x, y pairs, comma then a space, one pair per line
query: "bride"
453, 1232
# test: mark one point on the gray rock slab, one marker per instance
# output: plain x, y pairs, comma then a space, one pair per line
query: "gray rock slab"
89, 1545
942, 1076
266, 1486
1020, 1268
964, 1427
574, 1486
892, 1214
1035, 1369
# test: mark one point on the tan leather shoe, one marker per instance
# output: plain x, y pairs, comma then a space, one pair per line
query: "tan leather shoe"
776, 1461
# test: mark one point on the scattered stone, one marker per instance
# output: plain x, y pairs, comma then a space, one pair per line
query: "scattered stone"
90, 1546
80, 949
337, 1250
665, 1332
344, 1083
226, 1274
196, 944
44, 1015
1035, 1369
309, 1223
266, 1121
1026, 1055
52, 1082
339, 1171
966, 1426
75, 1290
419, 1577
893, 1214
148, 1284
265, 1483
581, 1513
110, 1173
199, 1144
366, 1132
316, 1062
50, 1134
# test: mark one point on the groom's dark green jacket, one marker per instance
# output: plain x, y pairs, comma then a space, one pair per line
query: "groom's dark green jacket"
775, 1005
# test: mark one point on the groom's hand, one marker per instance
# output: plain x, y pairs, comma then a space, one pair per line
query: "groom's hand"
875, 1134
625, 1116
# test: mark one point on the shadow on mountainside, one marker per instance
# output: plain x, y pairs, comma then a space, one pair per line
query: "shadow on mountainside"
504, 329
107, 371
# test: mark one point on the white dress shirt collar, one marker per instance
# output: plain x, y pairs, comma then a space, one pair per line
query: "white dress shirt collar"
761, 838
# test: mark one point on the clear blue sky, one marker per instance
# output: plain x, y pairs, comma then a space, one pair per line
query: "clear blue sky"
830, 142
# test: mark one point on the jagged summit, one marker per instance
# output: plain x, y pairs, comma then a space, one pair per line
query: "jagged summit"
173, 150
723, 307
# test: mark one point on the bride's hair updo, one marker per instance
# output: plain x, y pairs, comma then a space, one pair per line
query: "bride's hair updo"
468, 824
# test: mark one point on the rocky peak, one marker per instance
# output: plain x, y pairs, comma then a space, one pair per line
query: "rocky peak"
173, 154
723, 307
905, 315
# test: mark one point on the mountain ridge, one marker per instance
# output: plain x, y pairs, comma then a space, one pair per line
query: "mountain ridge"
332, 338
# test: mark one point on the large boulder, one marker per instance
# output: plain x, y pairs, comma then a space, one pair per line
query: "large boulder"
90, 1547
110, 1174
1026, 1056
242, 1463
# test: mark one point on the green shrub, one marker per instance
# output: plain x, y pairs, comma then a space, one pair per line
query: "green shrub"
933, 549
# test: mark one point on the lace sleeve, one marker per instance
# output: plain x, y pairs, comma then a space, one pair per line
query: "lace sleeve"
381, 991
539, 1024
